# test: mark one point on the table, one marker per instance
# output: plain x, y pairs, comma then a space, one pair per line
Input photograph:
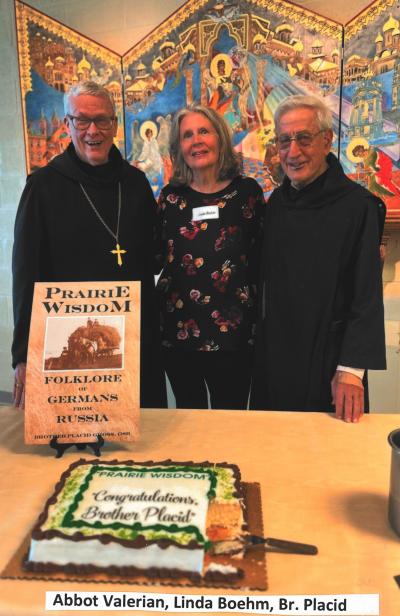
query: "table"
323, 482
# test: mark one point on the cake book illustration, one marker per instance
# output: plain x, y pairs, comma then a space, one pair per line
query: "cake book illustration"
159, 519
83, 362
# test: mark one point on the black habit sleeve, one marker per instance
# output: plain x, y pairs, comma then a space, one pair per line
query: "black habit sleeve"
27, 258
363, 343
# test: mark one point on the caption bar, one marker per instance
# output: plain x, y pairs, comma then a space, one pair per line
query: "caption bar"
330, 605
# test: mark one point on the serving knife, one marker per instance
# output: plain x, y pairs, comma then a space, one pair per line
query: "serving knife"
290, 547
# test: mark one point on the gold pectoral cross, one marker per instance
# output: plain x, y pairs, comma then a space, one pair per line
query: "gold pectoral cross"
118, 251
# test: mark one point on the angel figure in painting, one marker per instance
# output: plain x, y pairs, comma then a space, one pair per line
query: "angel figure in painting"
375, 166
150, 160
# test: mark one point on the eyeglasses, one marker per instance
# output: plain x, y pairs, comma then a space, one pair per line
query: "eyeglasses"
82, 123
302, 138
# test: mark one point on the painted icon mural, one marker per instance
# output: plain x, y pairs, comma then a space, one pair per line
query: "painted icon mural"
240, 58
370, 116
52, 58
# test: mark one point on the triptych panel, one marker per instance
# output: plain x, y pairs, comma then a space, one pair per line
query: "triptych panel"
52, 58
241, 58
370, 118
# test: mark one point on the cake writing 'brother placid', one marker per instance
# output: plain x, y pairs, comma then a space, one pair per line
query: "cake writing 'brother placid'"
156, 518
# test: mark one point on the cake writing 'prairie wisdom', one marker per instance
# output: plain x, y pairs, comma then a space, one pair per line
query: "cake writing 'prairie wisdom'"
155, 518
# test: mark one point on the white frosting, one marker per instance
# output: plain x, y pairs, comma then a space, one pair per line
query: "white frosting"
225, 569
126, 496
93, 552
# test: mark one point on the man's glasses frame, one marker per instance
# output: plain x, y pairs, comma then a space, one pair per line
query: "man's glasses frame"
83, 123
303, 139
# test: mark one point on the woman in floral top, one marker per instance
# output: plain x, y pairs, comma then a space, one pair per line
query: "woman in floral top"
211, 220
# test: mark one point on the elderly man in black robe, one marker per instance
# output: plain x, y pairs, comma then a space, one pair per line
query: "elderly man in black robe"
86, 216
321, 323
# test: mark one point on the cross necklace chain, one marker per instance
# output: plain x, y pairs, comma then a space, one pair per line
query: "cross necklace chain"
118, 250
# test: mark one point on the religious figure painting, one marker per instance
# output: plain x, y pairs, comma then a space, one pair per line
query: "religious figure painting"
52, 58
240, 58
370, 118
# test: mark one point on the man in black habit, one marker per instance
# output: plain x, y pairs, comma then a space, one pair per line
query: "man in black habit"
321, 322
88, 215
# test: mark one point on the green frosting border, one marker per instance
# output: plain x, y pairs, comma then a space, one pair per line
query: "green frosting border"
137, 527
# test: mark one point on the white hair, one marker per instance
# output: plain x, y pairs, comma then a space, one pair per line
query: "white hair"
323, 112
87, 87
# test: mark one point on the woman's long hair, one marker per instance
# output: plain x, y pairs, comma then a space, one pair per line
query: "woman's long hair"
228, 160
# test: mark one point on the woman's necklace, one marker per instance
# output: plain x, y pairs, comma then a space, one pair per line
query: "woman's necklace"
118, 251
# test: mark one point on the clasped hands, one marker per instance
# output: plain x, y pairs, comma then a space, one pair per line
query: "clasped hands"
347, 396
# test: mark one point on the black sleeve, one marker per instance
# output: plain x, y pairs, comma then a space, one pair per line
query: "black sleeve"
155, 225
160, 240
381, 217
254, 256
364, 338
26, 259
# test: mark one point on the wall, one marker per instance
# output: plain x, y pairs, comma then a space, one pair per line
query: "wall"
118, 25
385, 386
12, 177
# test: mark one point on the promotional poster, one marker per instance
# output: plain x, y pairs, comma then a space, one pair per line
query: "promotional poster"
83, 362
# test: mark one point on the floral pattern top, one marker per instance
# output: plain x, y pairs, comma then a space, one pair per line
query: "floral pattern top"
207, 288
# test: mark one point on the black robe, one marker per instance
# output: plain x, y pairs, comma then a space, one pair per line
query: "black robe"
321, 291
59, 238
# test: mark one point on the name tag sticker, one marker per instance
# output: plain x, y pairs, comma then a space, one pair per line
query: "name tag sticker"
207, 212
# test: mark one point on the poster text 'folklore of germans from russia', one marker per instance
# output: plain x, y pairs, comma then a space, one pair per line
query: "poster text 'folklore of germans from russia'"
83, 362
